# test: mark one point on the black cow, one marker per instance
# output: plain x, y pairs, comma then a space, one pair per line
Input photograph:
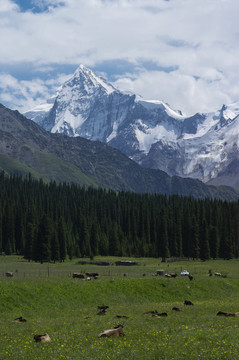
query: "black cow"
188, 302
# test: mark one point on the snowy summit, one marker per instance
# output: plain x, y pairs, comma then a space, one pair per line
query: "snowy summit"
203, 146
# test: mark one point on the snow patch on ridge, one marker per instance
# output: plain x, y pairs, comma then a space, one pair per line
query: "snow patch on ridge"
147, 136
114, 132
150, 104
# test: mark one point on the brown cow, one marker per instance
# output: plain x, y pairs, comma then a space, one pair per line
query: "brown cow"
42, 338
176, 309
117, 331
190, 277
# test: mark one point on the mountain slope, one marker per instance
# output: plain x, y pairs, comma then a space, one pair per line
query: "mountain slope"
203, 146
62, 158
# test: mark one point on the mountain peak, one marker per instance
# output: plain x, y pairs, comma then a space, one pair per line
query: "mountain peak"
150, 132
86, 75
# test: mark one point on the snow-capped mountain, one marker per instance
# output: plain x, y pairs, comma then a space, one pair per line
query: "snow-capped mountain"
203, 146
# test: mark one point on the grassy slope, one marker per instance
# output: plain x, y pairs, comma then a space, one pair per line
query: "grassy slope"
59, 304
47, 167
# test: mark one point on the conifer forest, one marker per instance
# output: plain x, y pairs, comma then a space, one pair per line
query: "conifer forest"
52, 222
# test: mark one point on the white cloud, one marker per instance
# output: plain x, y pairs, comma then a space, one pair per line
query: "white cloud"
182, 92
7, 6
24, 95
200, 39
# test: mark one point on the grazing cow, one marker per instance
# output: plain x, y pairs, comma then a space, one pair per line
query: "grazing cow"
163, 314
78, 275
42, 338
101, 312
217, 274
92, 274
151, 312
122, 317
190, 277
168, 275
117, 331
171, 275
159, 315
188, 302
9, 274
176, 309
222, 313
103, 307
20, 319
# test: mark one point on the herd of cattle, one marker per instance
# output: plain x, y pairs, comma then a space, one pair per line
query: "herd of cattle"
118, 329
94, 275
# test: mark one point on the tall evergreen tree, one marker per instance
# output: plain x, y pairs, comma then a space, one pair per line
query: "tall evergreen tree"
204, 248
45, 233
61, 234
30, 238
85, 239
214, 242
55, 247
95, 238
164, 237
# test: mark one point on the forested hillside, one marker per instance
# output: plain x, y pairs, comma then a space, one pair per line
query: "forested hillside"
50, 222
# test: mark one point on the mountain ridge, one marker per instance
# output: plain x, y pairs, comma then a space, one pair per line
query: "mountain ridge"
57, 157
202, 146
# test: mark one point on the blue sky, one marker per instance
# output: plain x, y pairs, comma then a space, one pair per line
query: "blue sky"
184, 52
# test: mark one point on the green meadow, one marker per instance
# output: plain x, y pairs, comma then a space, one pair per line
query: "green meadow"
66, 308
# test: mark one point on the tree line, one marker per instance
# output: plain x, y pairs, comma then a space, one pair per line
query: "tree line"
52, 222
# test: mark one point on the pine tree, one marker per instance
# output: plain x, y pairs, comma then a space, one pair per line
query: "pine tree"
164, 237
55, 247
8, 232
95, 238
45, 232
61, 234
214, 242
85, 239
204, 248
19, 233
114, 245
30, 236
195, 237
